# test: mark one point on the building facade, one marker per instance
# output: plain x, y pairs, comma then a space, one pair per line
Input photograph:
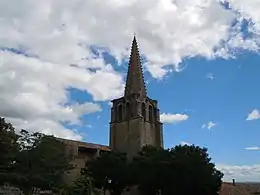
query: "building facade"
81, 152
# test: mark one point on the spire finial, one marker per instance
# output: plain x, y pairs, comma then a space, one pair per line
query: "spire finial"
135, 79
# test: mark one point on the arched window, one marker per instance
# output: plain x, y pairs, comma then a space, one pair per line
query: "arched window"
127, 111
150, 113
144, 111
155, 114
120, 112
131, 111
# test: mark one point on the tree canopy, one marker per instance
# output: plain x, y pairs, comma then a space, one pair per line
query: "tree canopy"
148, 169
31, 160
183, 170
41, 163
84, 186
34, 160
109, 171
193, 172
8, 149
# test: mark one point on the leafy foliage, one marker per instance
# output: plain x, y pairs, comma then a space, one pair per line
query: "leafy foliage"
84, 186
35, 160
80, 187
8, 149
41, 162
184, 170
109, 171
148, 169
194, 170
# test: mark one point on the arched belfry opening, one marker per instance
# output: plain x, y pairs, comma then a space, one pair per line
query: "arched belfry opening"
131, 110
155, 114
144, 111
127, 111
150, 113
120, 112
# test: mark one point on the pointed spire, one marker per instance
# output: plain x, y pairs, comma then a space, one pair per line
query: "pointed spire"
135, 79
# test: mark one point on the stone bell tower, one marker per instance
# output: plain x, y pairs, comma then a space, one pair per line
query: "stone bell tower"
135, 118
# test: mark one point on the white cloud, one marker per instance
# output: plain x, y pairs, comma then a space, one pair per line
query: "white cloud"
253, 148
110, 104
60, 33
47, 126
85, 108
209, 125
210, 76
89, 126
60, 26
183, 143
248, 10
34, 94
173, 118
241, 173
254, 115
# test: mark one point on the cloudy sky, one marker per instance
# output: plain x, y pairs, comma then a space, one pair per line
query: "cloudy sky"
62, 61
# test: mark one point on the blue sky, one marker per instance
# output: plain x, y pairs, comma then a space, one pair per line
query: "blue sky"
220, 91
61, 62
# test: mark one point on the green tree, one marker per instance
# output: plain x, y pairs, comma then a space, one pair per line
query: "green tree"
84, 186
149, 168
109, 171
80, 187
8, 150
192, 172
183, 170
41, 163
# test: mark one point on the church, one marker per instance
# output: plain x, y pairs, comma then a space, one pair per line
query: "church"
135, 121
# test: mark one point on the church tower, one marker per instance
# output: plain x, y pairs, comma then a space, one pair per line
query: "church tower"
135, 118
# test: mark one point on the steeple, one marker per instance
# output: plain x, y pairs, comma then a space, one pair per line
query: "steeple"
135, 79
135, 118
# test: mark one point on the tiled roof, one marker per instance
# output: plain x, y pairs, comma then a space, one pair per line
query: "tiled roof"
86, 144
240, 189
